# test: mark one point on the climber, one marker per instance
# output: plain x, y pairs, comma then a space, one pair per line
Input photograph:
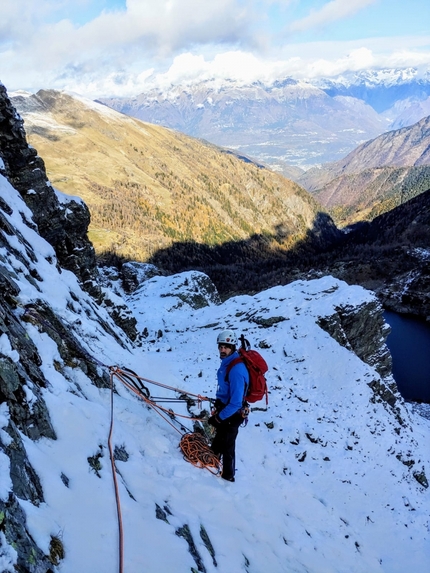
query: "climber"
227, 412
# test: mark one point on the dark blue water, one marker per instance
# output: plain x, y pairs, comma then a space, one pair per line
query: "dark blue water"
409, 344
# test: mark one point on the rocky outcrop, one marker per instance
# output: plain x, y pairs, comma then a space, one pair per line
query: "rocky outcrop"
364, 331
20, 367
410, 293
20, 378
133, 274
62, 222
29, 558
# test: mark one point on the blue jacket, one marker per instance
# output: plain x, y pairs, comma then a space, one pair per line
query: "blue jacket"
231, 392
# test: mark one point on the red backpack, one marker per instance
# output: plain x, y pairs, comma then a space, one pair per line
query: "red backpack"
257, 367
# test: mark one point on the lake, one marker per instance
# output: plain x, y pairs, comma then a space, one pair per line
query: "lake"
409, 344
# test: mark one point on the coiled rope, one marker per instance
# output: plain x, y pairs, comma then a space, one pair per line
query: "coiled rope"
197, 452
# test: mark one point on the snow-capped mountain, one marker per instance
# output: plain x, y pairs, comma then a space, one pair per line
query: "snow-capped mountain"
332, 476
289, 121
386, 77
384, 90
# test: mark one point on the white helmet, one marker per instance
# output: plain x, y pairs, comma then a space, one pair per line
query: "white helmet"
227, 337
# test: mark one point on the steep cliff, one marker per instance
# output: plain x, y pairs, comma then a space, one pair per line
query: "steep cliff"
61, 220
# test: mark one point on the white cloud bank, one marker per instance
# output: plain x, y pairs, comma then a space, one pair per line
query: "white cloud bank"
244, 67
145, 43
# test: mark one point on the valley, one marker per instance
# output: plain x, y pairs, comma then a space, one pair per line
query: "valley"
148, 187
289, 123
376, 177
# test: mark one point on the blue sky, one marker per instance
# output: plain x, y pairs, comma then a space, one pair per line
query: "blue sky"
120, 47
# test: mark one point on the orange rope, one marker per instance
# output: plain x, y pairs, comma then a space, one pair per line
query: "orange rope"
197, 452
150, 403
194, 446
131, 373
115, 481
117, 372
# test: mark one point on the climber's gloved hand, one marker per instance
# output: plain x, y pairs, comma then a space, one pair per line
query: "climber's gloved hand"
219, 405
215, 421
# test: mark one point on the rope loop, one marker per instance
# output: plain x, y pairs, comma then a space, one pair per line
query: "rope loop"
197, 452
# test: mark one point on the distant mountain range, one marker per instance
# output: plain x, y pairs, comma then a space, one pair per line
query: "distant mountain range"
148, 187
383, 90
376, 177
288, 123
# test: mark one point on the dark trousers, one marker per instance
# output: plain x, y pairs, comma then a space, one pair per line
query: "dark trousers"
224, 444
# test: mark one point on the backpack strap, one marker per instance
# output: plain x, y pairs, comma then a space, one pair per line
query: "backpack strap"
230, 366
233, 363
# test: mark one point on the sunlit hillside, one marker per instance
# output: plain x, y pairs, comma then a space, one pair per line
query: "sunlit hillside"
147, 186
376, 177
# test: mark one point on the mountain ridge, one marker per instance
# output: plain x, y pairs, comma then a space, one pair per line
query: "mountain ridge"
376, 176
281, 124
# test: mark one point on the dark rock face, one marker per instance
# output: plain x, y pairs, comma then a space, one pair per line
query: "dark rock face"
133, 274
364, 331
410, 293
122, 316
63, 224
391, 255
18, 377
32, 421
21, 384
30, 559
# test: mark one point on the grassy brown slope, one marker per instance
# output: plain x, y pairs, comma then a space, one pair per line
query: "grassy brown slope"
148, 187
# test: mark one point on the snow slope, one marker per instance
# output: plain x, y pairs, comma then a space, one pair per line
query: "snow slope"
320, 488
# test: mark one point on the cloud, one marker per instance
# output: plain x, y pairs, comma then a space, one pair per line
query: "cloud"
330, 12
45, 40
247, 68
188, 69
158, 26
134, 44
